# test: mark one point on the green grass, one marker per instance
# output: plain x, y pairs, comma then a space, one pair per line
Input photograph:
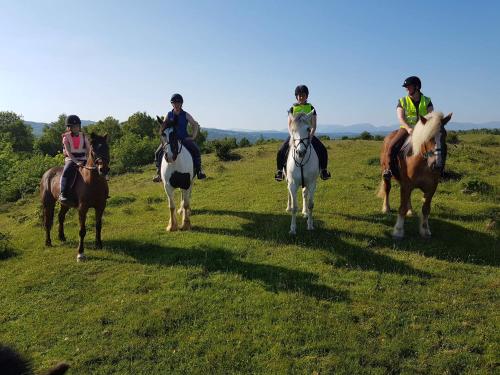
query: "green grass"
238, 295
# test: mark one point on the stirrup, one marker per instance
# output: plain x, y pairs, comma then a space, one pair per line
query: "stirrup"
387, 174
325, 175
157, 178
201, 175
279, 176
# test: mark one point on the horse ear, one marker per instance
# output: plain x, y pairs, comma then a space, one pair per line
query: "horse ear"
423, 119
159, 119
446, 119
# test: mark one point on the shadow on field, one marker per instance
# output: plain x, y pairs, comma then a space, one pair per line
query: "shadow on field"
213, 259
449, 241
6, 254
274, 228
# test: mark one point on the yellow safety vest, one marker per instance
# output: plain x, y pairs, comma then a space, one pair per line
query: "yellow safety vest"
297, 108
411, 116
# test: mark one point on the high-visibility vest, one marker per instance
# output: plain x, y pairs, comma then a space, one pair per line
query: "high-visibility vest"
411, 116
79, 152
297, 108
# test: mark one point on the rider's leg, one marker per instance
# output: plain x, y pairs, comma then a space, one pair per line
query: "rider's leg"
322, 156
391, 156
158, 157
196, 154
281, 159
67, 177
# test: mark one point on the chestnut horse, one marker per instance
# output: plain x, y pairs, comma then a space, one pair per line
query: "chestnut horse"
90, 190
421, 163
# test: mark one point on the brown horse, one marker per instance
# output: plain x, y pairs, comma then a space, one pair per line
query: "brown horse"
421, 163
90, 189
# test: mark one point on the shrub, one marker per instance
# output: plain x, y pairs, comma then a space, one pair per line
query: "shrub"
476, 186
366, 136
452, 138
223, 148
132, 151
244, 142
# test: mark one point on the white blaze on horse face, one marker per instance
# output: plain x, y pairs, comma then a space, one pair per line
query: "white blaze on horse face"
167, 146
438, 150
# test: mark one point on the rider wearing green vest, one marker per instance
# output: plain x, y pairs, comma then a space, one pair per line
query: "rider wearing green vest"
301, 94
408, 118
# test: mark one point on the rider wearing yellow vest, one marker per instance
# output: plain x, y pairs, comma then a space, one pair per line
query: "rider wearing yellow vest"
301, 94
410, 108
75, 150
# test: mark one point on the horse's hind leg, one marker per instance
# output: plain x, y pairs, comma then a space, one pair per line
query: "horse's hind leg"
61, 217
310, 205
48, 218
385, 189
424, 229
186, 210
82, 215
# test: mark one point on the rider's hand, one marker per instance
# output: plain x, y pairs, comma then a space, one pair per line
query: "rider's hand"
409, 130
80, 164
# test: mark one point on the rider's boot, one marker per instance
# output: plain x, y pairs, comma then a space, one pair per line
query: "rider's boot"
279, 175
325, 175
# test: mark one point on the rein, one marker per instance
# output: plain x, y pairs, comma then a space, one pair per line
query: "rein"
300, 163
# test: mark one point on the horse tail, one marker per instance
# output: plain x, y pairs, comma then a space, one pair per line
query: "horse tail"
381, 189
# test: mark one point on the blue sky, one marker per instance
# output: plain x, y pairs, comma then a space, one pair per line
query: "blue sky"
237, 63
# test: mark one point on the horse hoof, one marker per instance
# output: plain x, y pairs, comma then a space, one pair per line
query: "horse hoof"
185, 227
409, 213
81, 258
311, 228
98, 245
425, 235
171, 228
48, 243
386, 210
397, 237
62, 239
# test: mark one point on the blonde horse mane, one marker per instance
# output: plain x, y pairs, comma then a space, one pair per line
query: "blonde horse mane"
422, 133
299, 120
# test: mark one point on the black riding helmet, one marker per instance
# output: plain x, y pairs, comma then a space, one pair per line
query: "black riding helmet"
176, 98
73, 120
301, 89
413, 80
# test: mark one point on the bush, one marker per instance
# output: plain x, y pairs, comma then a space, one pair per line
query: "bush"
476, 186
132, 151
366, 136
244, 142
223, 149
24, 175
324, 137
452, 138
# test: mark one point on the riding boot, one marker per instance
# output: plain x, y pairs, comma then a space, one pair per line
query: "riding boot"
325, 175
387, 174
279, 175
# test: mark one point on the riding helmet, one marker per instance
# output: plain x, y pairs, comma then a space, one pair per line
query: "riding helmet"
73, 120
301, 89
176, 98
413, 80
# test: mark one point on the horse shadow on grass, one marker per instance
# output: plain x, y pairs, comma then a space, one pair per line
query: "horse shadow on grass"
213, 259
273, 228
449, 241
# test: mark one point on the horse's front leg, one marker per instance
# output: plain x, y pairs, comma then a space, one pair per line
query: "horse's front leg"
62, 215
399, 232
310, 205
292, 192
172, 223
424, 229
186, 209
82, 215
98, 226
305, 195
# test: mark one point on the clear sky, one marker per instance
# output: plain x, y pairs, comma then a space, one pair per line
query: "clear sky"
237, 62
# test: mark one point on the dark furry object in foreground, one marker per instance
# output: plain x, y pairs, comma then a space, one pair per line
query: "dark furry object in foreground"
12, 363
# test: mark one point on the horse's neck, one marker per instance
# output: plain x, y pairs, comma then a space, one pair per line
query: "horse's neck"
88, 175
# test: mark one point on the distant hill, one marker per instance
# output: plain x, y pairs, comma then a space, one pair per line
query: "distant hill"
38, 126
333, 131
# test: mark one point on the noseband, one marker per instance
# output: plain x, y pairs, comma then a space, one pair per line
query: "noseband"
300, 162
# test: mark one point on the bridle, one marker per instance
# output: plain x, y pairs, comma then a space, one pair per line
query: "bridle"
300, 161
166, 141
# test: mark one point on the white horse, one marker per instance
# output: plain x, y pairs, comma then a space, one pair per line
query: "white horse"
302, 169
177, 171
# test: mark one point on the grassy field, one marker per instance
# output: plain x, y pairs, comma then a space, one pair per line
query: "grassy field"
238, 295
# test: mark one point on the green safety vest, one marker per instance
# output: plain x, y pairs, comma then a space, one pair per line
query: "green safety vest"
297, 108
411, 116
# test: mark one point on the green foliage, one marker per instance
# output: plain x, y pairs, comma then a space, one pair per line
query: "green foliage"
50, 142
324, 137
201, 141
109, 126
141, 125
223, 148
488, 142
366, 136
244, 142
345, 137
132, 151
452, 138
476, 185
14, 130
